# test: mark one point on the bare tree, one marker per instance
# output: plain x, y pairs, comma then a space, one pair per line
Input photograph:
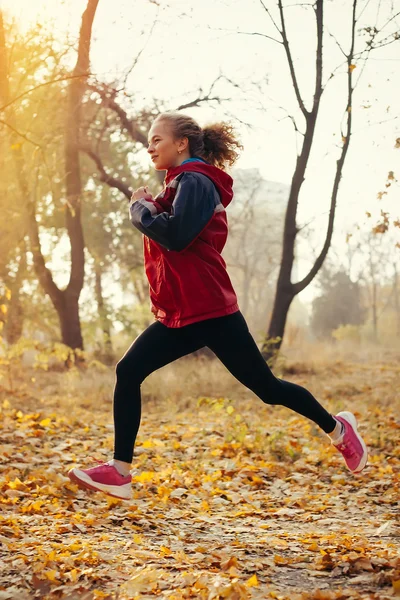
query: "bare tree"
286, 290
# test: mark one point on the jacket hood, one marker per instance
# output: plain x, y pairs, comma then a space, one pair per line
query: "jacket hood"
222, 180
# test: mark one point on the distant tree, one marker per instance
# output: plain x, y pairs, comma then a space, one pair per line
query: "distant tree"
252, 250
340, 303
378, 259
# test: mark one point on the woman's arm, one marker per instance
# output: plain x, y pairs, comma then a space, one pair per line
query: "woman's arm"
193, 207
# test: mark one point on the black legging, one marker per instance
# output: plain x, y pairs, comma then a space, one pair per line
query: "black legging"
230, 339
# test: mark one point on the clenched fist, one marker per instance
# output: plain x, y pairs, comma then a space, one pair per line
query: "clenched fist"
141, 192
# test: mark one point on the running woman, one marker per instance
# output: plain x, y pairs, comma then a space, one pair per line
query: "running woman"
192, 298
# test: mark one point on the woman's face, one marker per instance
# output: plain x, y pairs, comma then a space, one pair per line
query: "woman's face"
163, 149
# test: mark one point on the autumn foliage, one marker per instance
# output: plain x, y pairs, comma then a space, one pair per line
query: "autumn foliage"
232, 498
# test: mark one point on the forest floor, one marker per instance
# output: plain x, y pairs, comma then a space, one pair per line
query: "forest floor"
231, 498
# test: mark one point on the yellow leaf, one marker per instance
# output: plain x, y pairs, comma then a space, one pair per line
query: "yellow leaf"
148, 444
204, 505
45, 422
16, 484
230, 410
351, 68
166, 551
163, 492
396, 586
137, 538
313, 547
52, 555
51, 575
73, 575
257, 479
144, 476
253, 581
74, 546
111, 501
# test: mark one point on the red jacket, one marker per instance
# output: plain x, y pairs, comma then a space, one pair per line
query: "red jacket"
185, 230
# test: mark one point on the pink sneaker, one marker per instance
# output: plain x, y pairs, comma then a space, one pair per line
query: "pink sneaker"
104, 478
352, 446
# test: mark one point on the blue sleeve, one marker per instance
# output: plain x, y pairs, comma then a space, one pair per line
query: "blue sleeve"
193, 207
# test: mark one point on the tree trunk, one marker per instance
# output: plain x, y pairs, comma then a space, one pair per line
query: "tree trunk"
276, 330
68, 315
70, 324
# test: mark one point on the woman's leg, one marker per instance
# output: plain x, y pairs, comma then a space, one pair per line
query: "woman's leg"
230, 339
157, 346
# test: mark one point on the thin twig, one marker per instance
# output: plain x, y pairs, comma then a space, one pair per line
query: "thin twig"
36, 87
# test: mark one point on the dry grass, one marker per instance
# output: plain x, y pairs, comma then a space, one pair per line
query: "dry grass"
334, 373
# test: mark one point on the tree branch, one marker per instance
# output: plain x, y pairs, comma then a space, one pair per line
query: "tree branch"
141, 50
271, 17
104, 176
246, 33
290, 60
36, 87
20, 134
318, 60
107, 96
337, 43
43, 273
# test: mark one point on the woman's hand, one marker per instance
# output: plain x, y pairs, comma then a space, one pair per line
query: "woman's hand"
142, 192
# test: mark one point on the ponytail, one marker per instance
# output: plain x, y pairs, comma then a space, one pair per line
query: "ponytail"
216, 143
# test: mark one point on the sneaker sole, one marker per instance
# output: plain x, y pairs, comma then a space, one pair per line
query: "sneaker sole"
85, 482
353, 422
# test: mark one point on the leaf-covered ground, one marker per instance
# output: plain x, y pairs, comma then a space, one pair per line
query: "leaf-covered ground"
232, 498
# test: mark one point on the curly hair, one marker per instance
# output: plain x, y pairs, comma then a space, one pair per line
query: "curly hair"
216, 142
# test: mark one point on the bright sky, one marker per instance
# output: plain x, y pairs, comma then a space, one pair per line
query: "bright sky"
182, 54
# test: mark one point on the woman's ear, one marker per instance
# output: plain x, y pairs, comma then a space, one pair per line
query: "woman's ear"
184, 144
